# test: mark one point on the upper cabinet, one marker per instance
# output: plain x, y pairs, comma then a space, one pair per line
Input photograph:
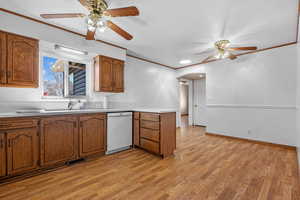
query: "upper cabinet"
109, 75
19, 61
3, 54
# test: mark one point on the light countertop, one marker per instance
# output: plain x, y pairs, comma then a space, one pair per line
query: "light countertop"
39, 113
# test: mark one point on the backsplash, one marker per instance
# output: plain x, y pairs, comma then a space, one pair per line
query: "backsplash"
19, 105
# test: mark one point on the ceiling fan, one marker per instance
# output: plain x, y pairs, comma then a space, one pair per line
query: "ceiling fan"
225, 51
99, 17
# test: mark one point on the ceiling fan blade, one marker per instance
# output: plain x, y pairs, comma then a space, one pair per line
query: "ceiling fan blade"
206, 51
232, 56
119, 30
208, 58
62, 15
85, 4
242, 48
121, 12
90, 35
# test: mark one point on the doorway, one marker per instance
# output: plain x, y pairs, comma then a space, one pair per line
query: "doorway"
199, 102
184, 102
193, 100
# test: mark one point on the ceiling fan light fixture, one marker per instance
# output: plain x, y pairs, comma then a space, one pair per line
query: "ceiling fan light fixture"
91, 28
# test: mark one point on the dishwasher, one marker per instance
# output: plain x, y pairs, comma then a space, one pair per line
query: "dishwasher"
119, 132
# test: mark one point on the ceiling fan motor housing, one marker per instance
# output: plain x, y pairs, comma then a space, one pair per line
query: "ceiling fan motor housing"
97, 9
221, 45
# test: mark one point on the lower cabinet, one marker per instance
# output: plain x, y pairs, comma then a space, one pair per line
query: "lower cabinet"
59, 140
156, 132
29, 144
2, 155
22, 150
92, 134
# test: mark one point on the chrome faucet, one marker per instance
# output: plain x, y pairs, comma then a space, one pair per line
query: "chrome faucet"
70, 105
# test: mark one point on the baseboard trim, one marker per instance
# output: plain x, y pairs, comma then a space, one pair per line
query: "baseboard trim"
253, 141
202, 126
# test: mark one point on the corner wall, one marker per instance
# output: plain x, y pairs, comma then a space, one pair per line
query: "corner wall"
147, 85
253, 97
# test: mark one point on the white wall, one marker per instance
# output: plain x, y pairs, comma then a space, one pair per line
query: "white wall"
298, 103
254, 96
148, 86
184, 94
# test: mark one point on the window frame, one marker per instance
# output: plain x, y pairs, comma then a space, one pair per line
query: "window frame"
66, 76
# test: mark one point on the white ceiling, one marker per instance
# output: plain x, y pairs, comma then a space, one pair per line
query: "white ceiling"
170, 30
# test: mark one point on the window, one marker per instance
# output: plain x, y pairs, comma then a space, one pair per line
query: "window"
62, 78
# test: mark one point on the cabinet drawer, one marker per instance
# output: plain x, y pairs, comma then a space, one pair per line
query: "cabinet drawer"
150, 134
18, 123
150, 146
150, 124
150, 116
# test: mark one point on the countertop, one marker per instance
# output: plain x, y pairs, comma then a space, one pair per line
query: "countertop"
83, 111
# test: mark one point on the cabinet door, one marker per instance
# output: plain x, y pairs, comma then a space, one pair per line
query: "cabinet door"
118, 69
59, 140
136, 132
2, 58
22, 150
106, 75
22, 61
2, 155
92, 137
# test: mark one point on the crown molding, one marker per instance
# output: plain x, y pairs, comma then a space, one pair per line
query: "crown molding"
153, 62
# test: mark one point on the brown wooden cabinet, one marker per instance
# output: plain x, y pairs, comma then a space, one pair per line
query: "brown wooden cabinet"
2, 155
19, 61
3, 53
109, 74
156, 132
92, 134
59, 140
22, 61
18, 145
22, 150
118, 76
136, 128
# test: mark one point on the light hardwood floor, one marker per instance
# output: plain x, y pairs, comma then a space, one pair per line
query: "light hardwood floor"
204, 167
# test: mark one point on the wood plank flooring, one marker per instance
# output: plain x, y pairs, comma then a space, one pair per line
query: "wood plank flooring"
204, 167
